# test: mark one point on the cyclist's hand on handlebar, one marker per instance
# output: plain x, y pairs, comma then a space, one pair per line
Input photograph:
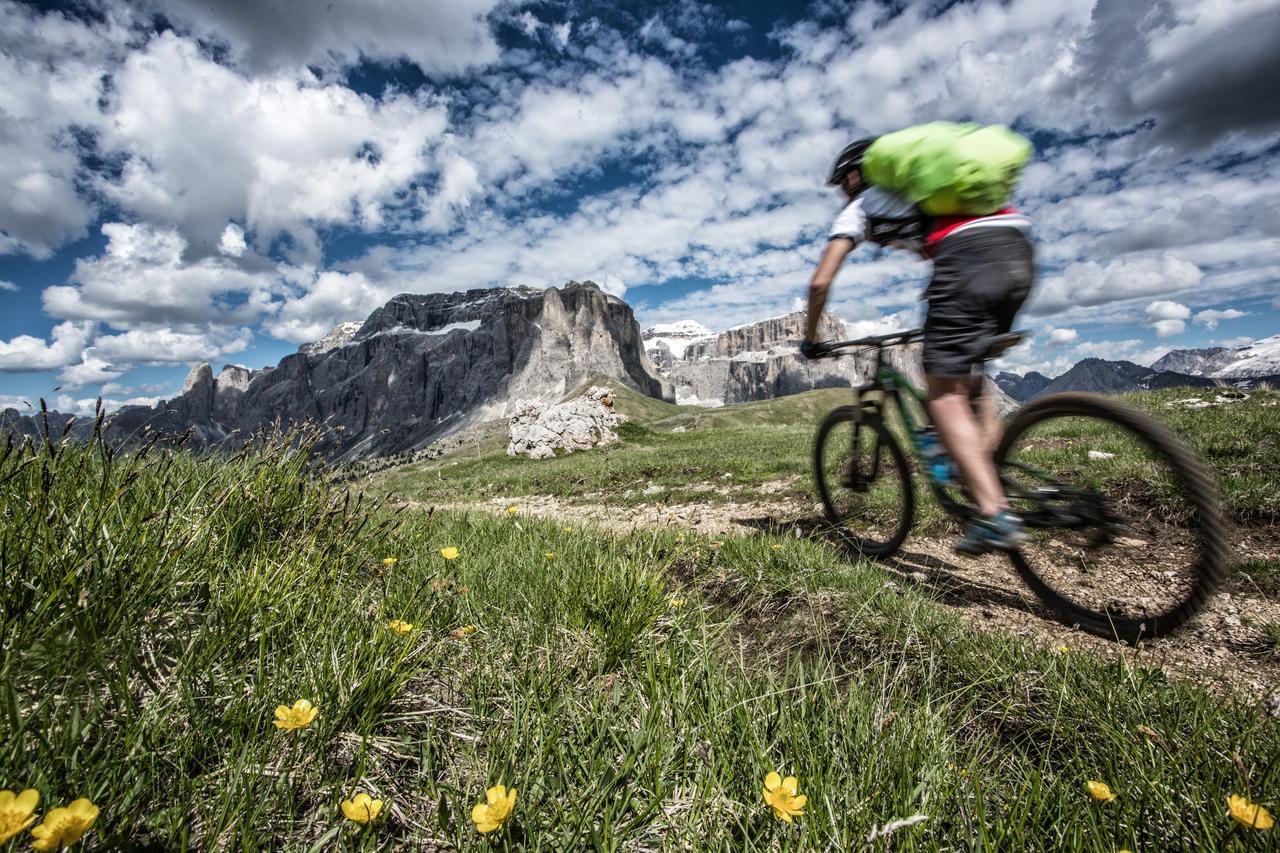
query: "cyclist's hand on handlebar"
815, 350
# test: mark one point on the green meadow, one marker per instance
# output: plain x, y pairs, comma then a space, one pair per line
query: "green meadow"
163, 612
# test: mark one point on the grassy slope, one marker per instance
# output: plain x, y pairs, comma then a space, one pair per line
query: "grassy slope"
754, 443
157, 609
767, 440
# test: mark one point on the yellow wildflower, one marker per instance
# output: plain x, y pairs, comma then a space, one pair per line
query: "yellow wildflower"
512, 510
16, 812
1062, 650
400, 626
362, 808
1100, 791
781, 795
388, 561
567, 529
777, 547
297, 717
489, 815
450, 553
550, 555
464, 631
677, 602
63, 826
1249, 814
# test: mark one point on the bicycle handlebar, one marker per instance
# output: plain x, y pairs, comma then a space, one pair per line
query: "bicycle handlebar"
995, 345
892, 339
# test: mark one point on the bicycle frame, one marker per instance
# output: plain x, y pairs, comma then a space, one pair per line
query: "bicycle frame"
894, 390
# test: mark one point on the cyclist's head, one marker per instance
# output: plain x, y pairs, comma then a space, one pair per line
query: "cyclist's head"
848, 163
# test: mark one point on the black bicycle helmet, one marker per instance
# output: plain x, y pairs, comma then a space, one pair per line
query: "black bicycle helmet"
850, 158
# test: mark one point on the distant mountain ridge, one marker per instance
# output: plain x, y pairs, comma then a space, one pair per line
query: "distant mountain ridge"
755, 361
1194, 368
424, 366
1251, 361
1022, 387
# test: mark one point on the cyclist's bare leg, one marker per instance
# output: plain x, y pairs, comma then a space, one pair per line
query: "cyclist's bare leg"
987, 417
966, 440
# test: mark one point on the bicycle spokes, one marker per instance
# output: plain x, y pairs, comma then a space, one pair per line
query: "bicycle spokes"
1046, 503
1113, 539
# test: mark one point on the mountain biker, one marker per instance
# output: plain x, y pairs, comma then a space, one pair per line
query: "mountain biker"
983, 269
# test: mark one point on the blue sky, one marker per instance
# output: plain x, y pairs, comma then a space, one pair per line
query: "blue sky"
184, 182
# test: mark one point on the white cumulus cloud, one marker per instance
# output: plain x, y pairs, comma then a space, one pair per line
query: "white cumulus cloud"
283, 153
442, 36
1058, 337
141, 278
26, 353
90, 371
232, 243
1166, 310
1211, 317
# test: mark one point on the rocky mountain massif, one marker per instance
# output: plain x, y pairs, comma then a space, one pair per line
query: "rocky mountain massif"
419, 368
760, 360
423, 367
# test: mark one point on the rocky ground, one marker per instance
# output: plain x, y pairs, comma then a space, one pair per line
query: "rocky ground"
1226, 647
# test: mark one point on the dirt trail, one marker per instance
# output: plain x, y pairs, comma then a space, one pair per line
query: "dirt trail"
1224, 647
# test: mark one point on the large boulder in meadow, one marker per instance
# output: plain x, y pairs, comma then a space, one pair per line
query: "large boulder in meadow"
538, 430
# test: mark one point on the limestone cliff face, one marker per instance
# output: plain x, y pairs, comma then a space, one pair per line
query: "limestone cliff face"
423, 366
419, 368
760, 360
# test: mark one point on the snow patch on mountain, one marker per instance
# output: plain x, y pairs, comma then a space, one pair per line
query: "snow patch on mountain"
680, 328
1260, 358
675, 337
465, 325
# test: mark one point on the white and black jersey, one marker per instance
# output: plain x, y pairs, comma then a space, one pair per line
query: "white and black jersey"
884, 218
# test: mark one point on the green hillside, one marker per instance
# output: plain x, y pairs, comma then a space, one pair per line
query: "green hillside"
743, 448
638, 407
713, 455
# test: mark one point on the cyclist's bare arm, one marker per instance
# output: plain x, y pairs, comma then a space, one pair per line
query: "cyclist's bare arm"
832, 257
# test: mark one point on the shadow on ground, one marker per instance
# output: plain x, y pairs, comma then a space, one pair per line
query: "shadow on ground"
951, 585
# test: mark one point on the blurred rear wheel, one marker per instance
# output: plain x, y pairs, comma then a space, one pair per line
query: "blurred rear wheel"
1125, 532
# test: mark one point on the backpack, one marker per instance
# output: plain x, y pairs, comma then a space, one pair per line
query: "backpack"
949, 169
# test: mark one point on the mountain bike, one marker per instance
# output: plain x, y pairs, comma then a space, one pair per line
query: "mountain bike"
1125, 532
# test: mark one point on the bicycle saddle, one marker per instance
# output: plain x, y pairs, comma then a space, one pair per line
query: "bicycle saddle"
999, 343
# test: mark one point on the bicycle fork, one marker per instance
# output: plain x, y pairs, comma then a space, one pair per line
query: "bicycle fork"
853, 478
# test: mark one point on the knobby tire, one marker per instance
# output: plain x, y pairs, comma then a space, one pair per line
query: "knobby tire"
1192, 475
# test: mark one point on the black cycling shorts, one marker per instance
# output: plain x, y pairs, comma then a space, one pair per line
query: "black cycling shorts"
981, 277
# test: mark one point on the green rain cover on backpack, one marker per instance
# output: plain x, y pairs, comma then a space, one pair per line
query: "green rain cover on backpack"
949, 169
